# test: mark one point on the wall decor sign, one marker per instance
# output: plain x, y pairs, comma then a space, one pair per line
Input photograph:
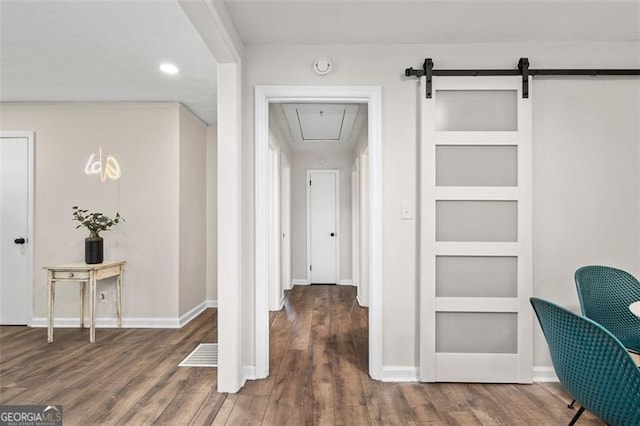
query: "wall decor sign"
104, 167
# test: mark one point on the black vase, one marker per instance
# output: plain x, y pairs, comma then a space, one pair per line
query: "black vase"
93, 250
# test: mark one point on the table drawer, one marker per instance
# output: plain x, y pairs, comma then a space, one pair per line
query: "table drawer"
111, 271
71, 275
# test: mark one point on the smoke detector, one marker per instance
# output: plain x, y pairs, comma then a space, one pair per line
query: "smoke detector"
322, 66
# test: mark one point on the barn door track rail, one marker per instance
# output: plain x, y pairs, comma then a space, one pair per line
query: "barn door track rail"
523, 70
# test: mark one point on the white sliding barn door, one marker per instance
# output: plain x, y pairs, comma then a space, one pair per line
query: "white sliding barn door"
475, 232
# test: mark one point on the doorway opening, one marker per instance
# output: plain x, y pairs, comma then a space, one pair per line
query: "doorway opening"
317, 151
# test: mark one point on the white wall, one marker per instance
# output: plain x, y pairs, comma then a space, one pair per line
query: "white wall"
279, 135
567, 142
212, 214
145, 138
586, 182
303, 161
193, 207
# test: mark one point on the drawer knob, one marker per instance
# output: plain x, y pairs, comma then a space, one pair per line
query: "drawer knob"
70, 274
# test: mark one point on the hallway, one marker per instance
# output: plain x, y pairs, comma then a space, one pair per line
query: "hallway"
318, 375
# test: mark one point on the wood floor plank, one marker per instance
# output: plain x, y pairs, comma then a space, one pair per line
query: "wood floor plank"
319, 376
386, 405
421, 406
249, 410
279, 337
318, 400
486, 408
461, 418
128, 376
347, 376
286, 398
209, 409
189, 399
349, 415
225, 410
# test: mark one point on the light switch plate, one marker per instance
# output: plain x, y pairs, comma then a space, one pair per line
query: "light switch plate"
407, 210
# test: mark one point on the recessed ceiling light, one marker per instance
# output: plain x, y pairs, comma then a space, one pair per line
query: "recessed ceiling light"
169, 68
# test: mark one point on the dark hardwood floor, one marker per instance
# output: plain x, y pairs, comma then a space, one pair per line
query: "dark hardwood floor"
318, 362
128, 376
318, 375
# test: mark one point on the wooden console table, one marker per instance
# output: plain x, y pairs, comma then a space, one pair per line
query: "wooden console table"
82, 273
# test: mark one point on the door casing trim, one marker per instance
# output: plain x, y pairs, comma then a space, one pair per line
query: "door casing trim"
372, 96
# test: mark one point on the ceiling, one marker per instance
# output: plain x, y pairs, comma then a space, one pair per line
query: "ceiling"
310, 123
401, 21
87, 50
104, 51
336, 130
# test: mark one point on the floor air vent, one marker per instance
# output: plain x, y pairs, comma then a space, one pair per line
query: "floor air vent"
205, 355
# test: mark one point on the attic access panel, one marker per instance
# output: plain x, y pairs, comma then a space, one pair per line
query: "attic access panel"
320, 122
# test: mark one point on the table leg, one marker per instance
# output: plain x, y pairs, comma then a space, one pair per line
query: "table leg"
51, 294
92, 290
119, 295
82, 296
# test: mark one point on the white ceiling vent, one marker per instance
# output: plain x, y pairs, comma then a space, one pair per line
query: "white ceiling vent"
321, 122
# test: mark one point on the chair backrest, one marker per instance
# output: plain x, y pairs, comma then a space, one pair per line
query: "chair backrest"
605, 294
591, 364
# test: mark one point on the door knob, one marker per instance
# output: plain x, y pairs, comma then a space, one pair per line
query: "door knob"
333, 234
19, 241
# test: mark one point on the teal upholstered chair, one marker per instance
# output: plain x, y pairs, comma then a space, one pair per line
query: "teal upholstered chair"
605, 294
591, 364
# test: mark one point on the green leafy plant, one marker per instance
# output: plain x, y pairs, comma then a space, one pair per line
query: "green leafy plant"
95, 222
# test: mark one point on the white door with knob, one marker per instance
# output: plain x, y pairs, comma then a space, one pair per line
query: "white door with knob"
323, 226
15, 217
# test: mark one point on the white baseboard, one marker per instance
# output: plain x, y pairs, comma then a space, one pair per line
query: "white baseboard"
248, 373
107, 322
395, 373
306, 282
128, 322
197, 310
360, 302
278, 307
392, 373
544, 374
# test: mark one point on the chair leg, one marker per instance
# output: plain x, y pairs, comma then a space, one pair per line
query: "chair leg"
572, 405
577, 416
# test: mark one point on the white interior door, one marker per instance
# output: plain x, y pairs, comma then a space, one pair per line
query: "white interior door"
285, 225
322, 220
14, 230
476, 227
